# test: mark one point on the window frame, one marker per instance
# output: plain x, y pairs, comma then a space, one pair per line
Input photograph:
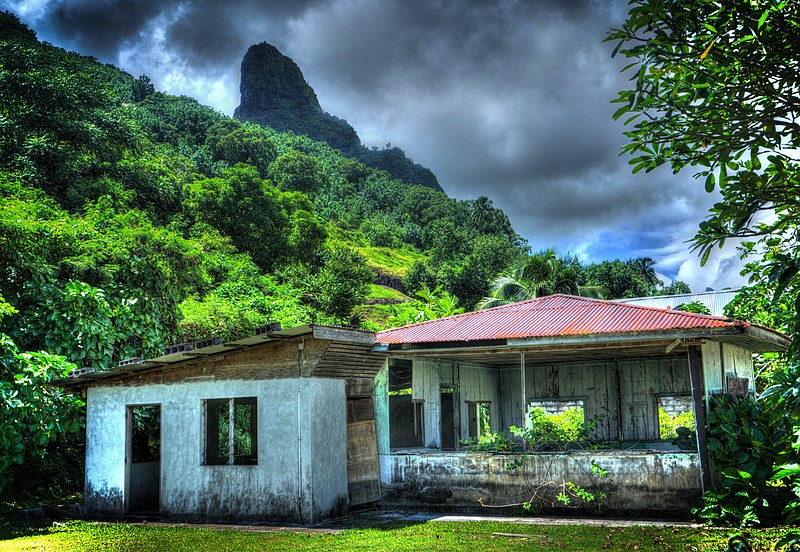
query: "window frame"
212, 432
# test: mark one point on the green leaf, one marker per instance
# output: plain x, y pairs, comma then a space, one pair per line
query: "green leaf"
710, 182
763, 18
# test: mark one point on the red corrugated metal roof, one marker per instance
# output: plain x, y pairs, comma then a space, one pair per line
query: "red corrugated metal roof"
553, 315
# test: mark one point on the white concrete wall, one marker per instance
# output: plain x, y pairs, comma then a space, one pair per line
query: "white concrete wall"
301, 473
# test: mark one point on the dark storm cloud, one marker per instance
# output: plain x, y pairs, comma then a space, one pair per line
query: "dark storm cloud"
217, 33
511, 98
102, 27
202, 33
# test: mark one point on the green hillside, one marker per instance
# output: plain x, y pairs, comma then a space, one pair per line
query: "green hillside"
132, 218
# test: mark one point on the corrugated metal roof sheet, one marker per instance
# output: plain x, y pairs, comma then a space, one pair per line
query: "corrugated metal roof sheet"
553, 315
714, 300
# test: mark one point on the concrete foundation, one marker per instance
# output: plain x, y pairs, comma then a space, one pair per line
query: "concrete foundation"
636, 481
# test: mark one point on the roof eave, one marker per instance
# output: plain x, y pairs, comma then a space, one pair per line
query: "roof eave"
768, 340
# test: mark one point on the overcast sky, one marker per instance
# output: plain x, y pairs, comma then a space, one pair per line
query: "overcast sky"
504, 99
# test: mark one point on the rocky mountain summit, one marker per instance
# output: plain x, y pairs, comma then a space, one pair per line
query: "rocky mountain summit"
275, 93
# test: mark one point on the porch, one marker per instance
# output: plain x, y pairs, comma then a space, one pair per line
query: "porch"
431, 403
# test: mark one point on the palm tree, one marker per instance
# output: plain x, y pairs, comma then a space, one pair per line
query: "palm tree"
645, 267
482, 211
543, 273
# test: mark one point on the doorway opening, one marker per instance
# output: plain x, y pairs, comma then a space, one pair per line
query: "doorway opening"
448, 418
143, 459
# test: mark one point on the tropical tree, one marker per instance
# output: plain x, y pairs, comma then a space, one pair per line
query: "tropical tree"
482, 211
543, 273
645, 266
675, 288
32, 414
620, 279
715, 88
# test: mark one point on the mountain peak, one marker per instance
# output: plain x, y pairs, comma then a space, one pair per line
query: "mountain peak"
275, 93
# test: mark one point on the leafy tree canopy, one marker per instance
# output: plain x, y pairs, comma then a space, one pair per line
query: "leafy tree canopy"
714, 88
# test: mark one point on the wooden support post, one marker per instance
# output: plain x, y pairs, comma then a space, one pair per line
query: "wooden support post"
522, 387
695, 372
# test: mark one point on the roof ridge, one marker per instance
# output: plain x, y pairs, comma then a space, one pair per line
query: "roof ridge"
586, 301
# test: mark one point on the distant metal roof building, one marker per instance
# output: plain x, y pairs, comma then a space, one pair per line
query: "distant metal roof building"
715, 301
563, 317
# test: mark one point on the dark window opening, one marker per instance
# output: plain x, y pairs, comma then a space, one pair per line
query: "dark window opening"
479, 418
448, 418
406, 415
231, 431
145, 433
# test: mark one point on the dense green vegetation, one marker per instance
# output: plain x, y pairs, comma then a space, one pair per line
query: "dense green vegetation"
475, 535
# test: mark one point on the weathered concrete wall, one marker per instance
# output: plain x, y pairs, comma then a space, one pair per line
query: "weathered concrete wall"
637, 481
301, 473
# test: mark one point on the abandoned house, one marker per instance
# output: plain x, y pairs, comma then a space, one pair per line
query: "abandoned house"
304, 423
278, 426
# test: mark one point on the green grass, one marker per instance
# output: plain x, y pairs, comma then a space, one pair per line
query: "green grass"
383, 292
378, 315
393, 262
483, 536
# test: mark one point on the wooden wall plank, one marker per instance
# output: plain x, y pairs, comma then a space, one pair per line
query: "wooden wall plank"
478, 384
711, 354
363, 469
425, 386
272, 360
381, 401
740, 362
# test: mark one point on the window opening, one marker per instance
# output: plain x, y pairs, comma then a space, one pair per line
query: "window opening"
480, 422
447, 402
419, 420
406, 415
675, 411
556, 420
231, 431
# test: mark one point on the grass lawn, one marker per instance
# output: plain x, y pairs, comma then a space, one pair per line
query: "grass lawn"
463, 536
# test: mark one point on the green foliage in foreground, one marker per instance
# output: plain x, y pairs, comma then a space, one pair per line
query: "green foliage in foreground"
464, 536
